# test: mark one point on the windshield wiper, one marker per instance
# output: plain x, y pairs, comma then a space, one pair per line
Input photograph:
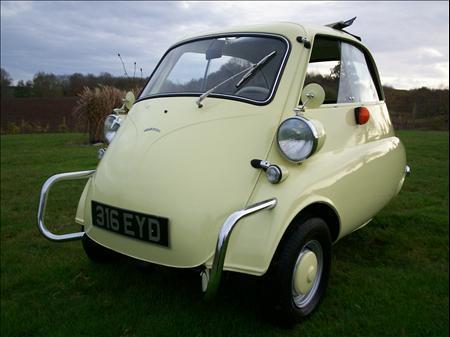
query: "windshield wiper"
254, 68
248, 72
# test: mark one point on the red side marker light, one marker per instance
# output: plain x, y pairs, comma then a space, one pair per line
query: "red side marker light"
362, 115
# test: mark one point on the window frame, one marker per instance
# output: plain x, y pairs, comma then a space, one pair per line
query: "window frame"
224, 96
370, 62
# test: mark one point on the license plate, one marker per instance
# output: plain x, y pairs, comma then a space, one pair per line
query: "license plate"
140, 226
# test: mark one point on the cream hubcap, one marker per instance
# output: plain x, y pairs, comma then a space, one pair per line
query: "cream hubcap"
306, 272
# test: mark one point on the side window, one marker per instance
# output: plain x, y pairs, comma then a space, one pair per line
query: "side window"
323, 67
341, 69
356, 83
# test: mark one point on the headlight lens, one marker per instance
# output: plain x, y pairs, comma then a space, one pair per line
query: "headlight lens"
273, 174
112, 124
297, 138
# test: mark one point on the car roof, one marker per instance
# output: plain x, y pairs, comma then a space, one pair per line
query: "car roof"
290, 30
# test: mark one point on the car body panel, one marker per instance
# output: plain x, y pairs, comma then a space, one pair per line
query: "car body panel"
360, 171
195, 171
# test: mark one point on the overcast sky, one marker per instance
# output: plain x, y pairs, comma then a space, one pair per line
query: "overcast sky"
409, 40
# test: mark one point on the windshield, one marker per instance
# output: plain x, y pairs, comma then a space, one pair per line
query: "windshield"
195, 67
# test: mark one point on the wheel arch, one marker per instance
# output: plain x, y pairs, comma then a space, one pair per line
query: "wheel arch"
322, 210
319, 209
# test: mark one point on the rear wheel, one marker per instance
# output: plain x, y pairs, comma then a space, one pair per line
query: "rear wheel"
96, 252
299, 273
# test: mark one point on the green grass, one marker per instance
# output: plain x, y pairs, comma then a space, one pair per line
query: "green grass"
388, 279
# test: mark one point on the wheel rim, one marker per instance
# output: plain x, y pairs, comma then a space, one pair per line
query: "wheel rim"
307, 273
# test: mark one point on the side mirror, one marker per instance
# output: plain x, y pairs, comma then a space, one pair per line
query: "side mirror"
129, 100
313, 96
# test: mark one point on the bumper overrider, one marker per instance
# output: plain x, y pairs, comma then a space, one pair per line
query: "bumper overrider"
210, 278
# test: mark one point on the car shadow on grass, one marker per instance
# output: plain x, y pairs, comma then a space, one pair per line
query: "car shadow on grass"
160, 291
166, 295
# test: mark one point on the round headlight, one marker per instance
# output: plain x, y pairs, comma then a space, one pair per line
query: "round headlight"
112, 124
297, 138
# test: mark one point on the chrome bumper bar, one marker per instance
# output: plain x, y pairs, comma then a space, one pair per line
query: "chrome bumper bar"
211, 279
43, 202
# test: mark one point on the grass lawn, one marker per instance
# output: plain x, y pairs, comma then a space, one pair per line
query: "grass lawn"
388, 279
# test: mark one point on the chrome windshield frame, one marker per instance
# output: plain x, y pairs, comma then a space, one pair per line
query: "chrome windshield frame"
218, 95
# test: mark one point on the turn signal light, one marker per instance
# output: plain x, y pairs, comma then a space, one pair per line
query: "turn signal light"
362, 115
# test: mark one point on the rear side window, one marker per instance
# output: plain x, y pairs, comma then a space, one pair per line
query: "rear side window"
356, 83
342, 70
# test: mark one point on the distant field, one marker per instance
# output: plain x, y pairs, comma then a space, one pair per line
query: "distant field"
39, 114
388, 279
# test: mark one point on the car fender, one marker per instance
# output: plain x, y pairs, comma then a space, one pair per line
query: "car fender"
256, 238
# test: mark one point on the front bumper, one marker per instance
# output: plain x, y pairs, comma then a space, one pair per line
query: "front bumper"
210, 278
45, 190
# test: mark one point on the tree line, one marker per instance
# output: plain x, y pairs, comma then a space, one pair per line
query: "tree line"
51, 85
414, 103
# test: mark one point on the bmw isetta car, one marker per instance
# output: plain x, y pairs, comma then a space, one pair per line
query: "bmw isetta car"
250, 150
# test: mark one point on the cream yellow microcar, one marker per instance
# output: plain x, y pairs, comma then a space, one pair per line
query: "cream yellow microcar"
250, 150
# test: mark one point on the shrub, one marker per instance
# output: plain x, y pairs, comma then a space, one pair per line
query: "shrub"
12, 128
94, 105
38, 128
26, 127
63, 126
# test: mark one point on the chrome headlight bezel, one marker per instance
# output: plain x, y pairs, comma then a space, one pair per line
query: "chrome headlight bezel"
315, 136
111, 125
274, 174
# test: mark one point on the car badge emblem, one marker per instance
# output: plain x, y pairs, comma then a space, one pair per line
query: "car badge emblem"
152, 129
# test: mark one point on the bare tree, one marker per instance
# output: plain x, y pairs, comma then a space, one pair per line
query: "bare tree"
6, 81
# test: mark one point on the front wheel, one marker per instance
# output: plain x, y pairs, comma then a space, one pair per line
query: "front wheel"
298, 276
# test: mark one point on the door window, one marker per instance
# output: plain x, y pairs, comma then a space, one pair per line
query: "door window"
341, 69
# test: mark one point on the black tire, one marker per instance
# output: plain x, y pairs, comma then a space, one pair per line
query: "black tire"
98, 253
309, 235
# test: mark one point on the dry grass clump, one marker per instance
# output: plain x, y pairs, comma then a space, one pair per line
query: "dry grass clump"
94, 105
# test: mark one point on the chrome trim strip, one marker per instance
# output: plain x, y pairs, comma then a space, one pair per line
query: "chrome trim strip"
215, 273
43, 202
363, 225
